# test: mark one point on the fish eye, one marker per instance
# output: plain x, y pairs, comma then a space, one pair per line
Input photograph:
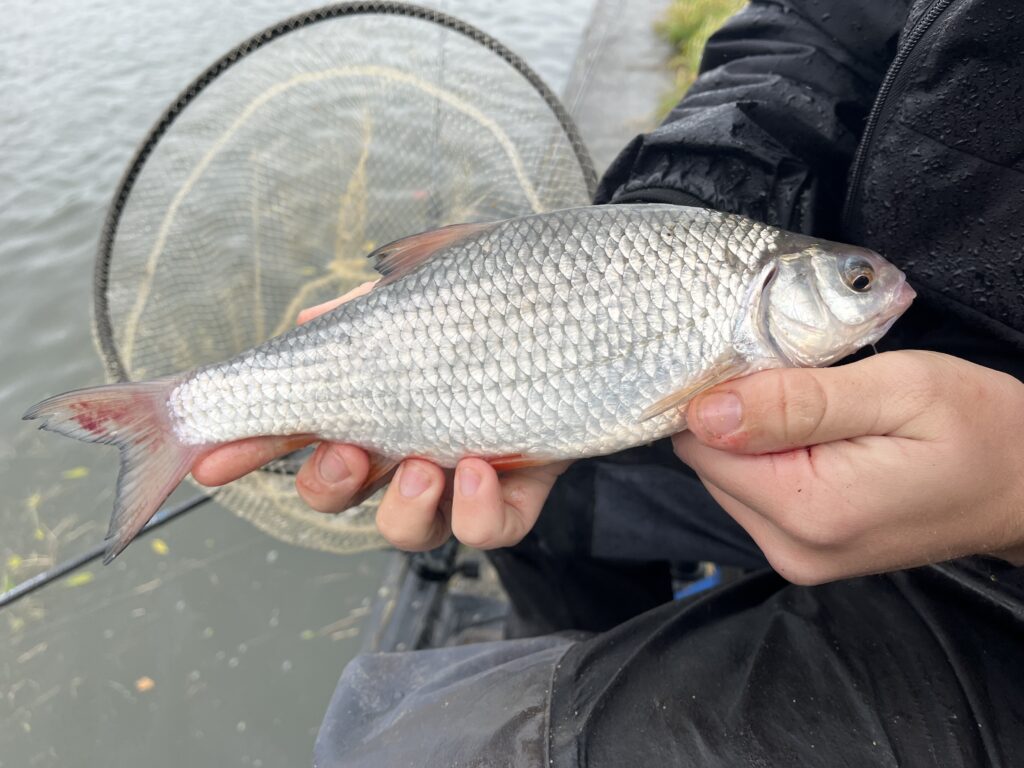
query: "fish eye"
857, 274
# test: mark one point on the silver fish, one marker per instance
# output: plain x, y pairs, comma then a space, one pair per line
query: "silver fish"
560, 335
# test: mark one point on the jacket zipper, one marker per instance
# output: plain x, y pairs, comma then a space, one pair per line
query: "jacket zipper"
892, 79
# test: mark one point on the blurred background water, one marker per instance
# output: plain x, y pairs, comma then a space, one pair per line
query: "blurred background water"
211, 644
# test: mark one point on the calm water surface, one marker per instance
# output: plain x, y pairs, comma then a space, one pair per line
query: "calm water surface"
214, 644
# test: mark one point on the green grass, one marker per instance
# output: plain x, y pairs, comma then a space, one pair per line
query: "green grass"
687, 25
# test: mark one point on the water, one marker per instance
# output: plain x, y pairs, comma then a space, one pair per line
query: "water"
213, 644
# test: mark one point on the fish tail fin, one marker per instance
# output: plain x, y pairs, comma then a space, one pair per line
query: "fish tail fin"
133, 417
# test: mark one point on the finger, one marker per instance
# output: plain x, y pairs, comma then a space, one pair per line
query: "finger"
408, 516
310, 312
478, 509
331, 476
229, 462
489, 511
782, 409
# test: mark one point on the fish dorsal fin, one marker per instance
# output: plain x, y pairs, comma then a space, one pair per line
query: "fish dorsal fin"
728, 366
397, 259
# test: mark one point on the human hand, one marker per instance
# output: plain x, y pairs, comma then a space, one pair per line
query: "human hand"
898, 460
422, 506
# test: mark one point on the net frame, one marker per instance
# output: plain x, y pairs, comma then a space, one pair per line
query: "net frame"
251, 498
103, 331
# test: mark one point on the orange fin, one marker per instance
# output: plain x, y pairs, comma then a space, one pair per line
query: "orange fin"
382, 469
397, 259
727, 367
515, 461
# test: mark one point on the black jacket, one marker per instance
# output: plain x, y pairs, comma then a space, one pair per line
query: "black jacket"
921, 667
909, 115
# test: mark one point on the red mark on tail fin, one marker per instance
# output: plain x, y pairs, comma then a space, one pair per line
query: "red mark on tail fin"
98, 418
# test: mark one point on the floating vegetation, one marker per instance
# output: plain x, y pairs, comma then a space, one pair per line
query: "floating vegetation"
145, 684
79, 579
159, 546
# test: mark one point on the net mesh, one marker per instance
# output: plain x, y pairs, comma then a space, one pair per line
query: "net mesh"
265, 185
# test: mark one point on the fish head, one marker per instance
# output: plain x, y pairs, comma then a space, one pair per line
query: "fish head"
823, 301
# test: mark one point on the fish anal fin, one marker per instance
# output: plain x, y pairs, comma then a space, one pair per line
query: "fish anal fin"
397, 259
382, 469
727, 367
514, 461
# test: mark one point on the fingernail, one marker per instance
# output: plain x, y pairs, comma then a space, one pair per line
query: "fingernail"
413, 481
720, 413
469, 481
333, 468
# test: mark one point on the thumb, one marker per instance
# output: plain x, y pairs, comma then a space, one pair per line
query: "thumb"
782, 409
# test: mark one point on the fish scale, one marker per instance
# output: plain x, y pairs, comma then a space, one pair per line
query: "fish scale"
555, 336
558, 362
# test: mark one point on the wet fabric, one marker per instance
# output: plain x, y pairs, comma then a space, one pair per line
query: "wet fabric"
911, 669
919, 668
770, 127
942, 185
472, 705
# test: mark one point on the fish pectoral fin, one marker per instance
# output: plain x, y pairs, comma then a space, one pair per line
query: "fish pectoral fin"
399, 258
382, 469
727, 367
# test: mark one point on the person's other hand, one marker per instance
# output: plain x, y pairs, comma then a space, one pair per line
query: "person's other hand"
898, 460
422, 506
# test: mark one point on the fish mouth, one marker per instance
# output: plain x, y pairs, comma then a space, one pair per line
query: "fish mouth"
902, 298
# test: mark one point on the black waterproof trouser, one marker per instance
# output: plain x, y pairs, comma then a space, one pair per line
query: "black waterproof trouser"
922, 667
